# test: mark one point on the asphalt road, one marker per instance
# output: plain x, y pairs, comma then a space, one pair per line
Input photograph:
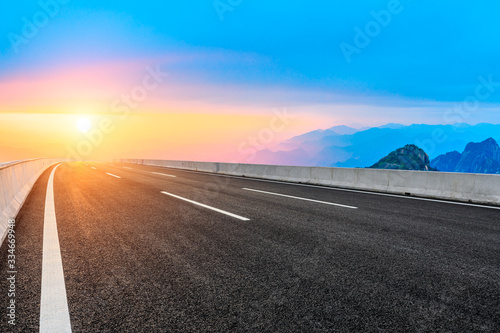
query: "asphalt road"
164, 250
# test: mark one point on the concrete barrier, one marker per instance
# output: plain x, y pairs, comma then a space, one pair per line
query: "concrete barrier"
475, 188
16, 182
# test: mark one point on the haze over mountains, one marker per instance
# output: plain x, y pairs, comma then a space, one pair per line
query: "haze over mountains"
343, 146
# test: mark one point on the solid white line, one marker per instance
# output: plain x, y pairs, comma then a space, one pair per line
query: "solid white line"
54, 312
113, 175
299, 198
163, 174
94, 168
208, 207
334, 188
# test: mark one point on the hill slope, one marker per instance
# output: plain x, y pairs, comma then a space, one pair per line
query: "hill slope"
410, 157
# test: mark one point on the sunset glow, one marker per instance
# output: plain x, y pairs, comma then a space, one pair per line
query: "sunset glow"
83, 124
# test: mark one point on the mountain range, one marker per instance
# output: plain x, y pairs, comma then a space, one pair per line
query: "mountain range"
482, 157
343, 146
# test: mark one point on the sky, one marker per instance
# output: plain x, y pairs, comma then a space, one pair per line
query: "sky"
201, 79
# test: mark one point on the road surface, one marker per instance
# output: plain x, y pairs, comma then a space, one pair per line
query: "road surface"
149, 249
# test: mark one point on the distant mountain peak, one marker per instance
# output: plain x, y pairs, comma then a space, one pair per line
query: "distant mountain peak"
343, 130
313, 135
409, 157
489, 141
320, 134
392, 126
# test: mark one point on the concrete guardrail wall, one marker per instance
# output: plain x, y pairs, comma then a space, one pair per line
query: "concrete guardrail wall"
16, 182
475, 188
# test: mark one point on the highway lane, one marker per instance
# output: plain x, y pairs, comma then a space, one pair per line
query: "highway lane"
138, 260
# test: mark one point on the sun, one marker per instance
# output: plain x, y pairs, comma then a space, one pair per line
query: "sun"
83, 124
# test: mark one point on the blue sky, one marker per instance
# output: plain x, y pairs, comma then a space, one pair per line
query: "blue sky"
428, 57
